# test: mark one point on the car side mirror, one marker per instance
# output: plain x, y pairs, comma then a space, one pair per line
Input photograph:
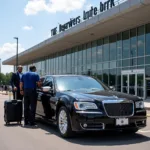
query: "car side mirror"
46, 89
112, 88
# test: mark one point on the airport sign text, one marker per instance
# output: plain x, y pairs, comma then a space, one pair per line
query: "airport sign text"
104, 6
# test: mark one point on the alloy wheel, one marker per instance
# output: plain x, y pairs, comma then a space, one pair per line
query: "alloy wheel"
63, 122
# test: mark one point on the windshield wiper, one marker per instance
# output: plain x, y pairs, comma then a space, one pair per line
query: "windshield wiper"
67, 90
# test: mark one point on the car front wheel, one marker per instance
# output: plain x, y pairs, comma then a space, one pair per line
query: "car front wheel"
64, 124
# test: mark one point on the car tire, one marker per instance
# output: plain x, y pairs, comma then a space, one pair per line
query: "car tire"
64, 123
130, 131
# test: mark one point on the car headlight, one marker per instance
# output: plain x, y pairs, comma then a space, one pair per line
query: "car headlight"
139, 104
85, 105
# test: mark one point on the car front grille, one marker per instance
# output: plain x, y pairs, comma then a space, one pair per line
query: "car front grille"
119, 109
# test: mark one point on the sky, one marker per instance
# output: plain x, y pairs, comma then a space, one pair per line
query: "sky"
32, 20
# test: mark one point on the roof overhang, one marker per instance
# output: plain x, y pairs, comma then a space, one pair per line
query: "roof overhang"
127, 15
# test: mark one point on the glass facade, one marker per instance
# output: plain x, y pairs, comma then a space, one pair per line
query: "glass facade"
104, 58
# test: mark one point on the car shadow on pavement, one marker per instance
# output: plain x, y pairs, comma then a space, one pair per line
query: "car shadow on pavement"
97, 138
49, 128
108, 139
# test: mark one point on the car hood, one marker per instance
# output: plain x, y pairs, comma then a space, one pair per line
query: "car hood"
101, 95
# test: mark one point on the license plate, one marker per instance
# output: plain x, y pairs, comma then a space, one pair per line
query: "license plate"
122, 121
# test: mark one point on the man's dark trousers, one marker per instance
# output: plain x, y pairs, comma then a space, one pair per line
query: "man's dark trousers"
30, 102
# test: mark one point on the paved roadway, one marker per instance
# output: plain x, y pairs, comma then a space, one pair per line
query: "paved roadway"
46, 137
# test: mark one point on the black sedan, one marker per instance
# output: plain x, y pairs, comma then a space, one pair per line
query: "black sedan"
81, 103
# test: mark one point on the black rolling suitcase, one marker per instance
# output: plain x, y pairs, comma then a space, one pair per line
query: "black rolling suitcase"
13, 111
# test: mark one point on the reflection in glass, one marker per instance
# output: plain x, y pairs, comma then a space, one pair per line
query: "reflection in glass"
106, 65
113, 64
88, 66
106, 49
99, 51
94, 74
47, 66
84, 68
99, 75
133, 51
52, 66
76, 57
125, 80
132, 68
119, 46
140, 67
79, 69
80, 54
72, 60
132, 84
105, 76
147, 71
147, 39
141, 61
113, 47
125, 84
99, 66
118, 84
119, 63
89, 53
85, 73
56, 65
75, 83
126, 45
148, 88
141, 41
76, 69
119, 51
112, 77
94, 52
68, 62
126, 63
84, 55
147, 60
72, 57
64, 62
133, 61
94, 67
140, 85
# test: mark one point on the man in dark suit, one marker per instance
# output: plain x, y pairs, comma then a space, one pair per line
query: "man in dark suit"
15, 83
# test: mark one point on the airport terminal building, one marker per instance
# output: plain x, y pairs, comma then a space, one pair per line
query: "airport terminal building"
110, 41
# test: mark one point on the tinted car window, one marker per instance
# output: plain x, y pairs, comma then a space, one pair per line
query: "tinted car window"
48, 81
78, 83
42, 79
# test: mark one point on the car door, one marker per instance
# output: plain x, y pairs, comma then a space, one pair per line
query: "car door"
46, 110
39, 108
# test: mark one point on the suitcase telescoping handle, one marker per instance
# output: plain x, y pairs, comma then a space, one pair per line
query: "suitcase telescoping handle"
10, 94
15, 95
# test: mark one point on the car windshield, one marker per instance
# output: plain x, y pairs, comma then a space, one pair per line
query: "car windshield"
78, 83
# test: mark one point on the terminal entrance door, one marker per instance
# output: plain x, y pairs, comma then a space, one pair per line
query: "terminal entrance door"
148, 88
133, 82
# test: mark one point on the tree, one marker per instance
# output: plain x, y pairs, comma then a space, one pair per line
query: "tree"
5, 78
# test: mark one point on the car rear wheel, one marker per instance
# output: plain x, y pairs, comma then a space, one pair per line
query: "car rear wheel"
64, 124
